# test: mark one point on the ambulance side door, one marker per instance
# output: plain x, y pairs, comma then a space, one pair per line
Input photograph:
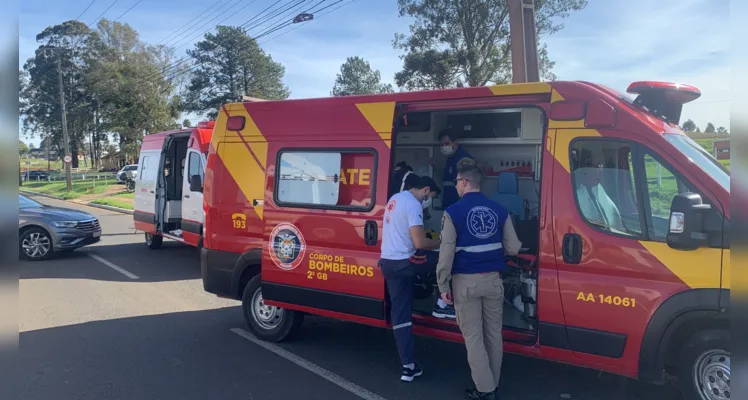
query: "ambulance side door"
192, 200
323, 229
145, 191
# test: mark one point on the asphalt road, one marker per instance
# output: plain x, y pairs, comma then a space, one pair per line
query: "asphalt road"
89, 331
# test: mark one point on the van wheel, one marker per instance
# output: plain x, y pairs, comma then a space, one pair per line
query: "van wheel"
704, 371
153, 241
270, 323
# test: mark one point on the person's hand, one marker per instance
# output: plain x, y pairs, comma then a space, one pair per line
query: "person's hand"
447, 297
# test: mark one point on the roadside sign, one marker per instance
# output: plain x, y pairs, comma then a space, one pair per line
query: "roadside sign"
68, 159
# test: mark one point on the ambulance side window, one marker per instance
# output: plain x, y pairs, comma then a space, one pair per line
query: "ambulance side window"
143, 169
339, 179
662, 186
195, 167
604, 186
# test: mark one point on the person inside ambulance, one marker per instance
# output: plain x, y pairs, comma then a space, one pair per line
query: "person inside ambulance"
457, 158
407, 253
594, 202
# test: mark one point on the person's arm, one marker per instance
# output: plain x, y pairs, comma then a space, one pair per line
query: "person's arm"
417, 233
510, 241
446, 254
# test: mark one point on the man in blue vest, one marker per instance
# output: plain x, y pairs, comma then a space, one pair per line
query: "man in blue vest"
476, 235
457, 158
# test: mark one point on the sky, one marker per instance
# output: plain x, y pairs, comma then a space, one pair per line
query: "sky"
611, 42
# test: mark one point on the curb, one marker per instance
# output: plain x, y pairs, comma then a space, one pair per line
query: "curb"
41, 194
110, 208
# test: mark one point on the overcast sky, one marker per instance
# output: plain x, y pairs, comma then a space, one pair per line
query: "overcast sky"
613, 42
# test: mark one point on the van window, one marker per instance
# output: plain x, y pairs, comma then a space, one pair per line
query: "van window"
326, 179
144, 169
195, 166
662, 187
605, 187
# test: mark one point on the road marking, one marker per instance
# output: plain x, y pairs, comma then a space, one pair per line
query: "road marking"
311, 367
114, 267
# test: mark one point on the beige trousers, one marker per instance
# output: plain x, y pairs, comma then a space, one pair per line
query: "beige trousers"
479, 304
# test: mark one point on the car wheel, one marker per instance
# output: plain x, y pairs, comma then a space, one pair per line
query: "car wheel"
153, 241
269, 323
35, 244
704, 370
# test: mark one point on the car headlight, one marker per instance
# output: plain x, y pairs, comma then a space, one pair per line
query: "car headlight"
64, 224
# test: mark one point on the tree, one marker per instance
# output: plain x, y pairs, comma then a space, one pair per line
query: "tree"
186, 123
231, 64
722, 129
356, 78
689, 126
22, 148
455, 43
710, 128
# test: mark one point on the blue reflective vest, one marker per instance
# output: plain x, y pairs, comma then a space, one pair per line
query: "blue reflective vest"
479, 223
450, 195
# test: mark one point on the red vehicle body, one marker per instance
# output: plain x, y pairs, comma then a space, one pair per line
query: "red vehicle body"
288, 234
167, 201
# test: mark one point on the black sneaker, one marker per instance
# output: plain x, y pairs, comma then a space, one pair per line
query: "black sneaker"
409, 374
474, 394
446, 312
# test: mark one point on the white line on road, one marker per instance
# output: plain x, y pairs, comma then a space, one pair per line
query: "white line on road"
114, 267
311, 367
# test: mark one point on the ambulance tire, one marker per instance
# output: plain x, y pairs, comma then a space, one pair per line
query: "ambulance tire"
272, 324
153, 241
704, 368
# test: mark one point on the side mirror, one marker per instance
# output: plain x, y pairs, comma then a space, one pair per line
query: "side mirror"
196, 184
687, 217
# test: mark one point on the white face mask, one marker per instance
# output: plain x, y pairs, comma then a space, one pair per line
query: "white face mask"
426, 203
447, 150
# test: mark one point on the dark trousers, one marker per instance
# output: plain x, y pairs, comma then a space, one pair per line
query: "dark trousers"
400, 276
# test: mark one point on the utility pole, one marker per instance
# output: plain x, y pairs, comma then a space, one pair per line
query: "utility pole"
68, 177
523, 41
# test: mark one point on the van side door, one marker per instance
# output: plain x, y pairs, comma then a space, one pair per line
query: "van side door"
192, 197
145, 191
323, 230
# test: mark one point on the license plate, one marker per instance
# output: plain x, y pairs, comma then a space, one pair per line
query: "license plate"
96, 234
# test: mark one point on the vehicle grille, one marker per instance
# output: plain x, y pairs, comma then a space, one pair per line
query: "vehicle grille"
89, 226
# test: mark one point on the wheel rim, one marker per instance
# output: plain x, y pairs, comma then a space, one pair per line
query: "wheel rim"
36, 245
267, 317
711, 375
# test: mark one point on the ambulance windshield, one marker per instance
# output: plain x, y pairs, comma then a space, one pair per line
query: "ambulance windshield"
701, 158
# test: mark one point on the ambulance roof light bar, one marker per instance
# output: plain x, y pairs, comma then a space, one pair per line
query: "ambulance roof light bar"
206, 124
664, 99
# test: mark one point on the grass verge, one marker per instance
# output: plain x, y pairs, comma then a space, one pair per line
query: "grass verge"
114, 202
80, 187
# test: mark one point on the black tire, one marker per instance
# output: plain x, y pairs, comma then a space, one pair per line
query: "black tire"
276, 324
704, 366
35, 236
153, 241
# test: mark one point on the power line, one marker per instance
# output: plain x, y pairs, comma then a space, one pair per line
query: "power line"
189, 22
186, 40
315, 18
128, 10
84, 11
283, 21
102, 14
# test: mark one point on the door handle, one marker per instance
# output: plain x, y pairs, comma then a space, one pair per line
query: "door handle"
186, 196
152, 192
371, 233
572, 248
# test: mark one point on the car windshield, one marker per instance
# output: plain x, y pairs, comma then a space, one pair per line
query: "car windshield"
25, 202
701, 158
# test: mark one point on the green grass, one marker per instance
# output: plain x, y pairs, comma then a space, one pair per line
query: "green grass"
125, 195
113, 202
58, 188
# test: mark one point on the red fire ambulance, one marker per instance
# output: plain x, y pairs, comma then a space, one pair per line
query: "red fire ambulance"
169, 185
624, 219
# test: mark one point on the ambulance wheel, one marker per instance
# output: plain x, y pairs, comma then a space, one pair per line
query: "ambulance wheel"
704, 370
153, 241
269, 323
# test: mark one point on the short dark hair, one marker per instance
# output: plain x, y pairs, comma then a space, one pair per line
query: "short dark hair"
472, 173
414, 181
447, 132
